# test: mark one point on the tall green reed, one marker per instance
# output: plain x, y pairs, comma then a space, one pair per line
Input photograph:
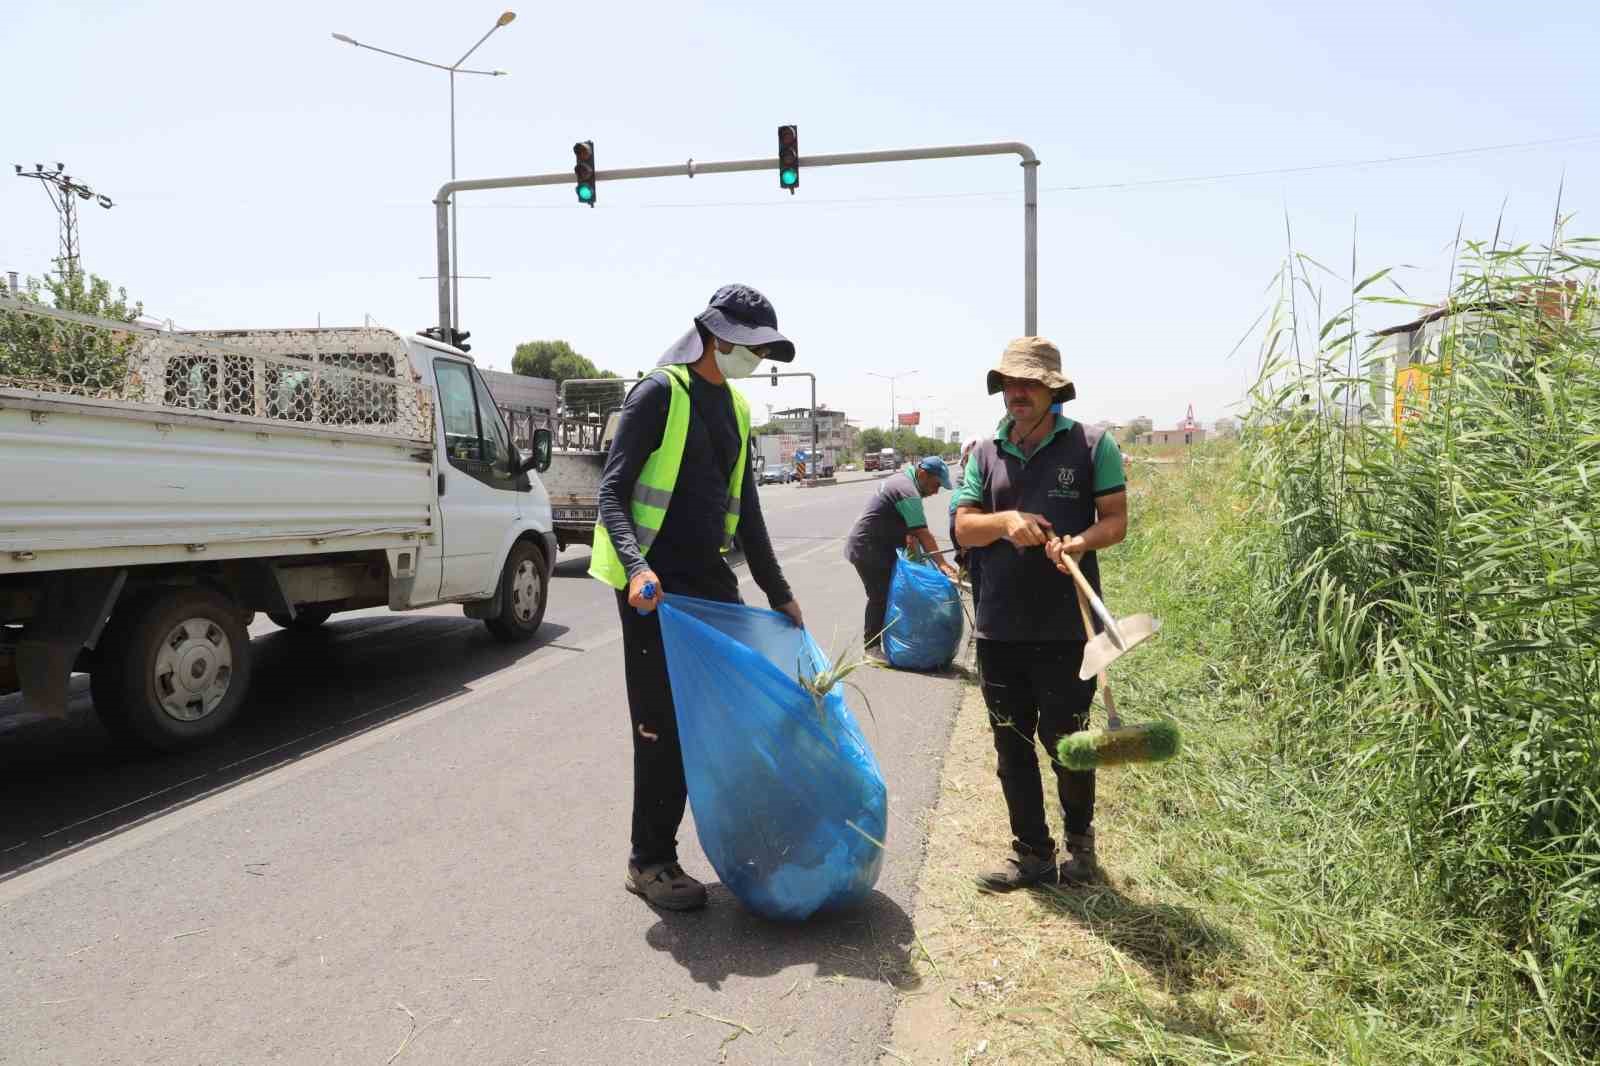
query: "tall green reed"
1447, 586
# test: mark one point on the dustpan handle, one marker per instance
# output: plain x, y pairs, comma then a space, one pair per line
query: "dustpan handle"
1108, 623
1112, 719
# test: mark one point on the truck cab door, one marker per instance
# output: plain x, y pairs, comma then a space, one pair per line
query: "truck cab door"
480, 491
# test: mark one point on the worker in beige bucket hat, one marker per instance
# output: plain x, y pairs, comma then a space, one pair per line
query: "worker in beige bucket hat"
1039, 486
1033, 359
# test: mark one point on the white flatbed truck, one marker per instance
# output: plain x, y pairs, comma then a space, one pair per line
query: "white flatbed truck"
158, 488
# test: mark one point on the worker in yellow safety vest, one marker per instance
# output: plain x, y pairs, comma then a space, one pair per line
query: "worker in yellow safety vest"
678, 484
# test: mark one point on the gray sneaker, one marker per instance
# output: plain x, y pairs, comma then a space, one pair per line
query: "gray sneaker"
1082, 866
1019, 871
665, 885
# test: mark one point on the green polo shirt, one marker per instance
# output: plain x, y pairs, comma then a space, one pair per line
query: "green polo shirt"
1108, 473
894, 510
1025, 598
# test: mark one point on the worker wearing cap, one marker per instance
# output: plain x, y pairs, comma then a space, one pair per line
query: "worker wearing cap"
678, 484
1042, 486
893, 518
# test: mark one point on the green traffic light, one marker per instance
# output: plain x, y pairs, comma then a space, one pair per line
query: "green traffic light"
586, 193
789, 177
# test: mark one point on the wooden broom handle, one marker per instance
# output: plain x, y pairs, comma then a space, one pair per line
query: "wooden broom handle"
1112, 719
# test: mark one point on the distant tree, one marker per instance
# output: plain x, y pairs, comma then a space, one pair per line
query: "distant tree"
871, 440
90, 358
554, 360
1135, 427
533, 358
1227, 428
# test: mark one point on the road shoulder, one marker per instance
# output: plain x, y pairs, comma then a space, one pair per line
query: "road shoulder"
994, 971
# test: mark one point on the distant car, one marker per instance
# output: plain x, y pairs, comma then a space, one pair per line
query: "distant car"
774, 475
849, 466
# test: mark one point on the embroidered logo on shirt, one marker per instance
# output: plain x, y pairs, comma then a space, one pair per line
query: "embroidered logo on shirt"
1065, 476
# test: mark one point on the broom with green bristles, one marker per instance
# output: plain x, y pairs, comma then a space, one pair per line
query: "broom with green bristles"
1117, 744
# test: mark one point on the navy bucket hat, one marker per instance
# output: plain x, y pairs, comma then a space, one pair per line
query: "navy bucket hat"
737, 314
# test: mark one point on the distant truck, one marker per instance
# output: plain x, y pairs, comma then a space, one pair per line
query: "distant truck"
161, 488
882, 459
788, 452
587, 413
770, 457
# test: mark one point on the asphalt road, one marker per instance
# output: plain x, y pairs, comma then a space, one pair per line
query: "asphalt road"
415, 843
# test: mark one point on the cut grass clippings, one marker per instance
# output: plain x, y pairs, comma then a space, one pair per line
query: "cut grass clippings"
1254, 910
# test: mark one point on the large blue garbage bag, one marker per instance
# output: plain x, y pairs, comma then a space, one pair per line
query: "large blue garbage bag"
924, 620
787, 796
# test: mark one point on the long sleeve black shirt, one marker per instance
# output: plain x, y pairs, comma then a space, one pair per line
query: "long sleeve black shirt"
687, 553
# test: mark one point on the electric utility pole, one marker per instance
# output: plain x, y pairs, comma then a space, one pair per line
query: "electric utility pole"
64, 194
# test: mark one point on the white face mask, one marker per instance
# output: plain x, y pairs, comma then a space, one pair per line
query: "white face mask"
739, 363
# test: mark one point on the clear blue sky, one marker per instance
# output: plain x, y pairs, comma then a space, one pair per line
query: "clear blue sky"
264, 173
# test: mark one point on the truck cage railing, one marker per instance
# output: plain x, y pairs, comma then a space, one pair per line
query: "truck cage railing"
344, 379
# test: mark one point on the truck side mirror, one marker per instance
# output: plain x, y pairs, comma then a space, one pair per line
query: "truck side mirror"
540, 459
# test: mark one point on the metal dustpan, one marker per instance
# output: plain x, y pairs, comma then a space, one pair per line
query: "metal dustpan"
1118, 636
1102, 650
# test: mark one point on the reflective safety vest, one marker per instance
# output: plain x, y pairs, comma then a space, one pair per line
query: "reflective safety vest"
652, 493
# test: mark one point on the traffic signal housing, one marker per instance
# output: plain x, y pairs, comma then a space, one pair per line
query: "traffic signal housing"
583, 171
789, 158
456, 338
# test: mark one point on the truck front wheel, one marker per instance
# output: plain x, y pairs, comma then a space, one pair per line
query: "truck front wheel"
523, 589
174, 668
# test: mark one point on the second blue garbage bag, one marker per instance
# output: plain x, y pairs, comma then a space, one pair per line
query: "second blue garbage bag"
788, 799
924, 621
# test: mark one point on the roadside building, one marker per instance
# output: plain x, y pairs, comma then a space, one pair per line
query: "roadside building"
835, 435
1186, 432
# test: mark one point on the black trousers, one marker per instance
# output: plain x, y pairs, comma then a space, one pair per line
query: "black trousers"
876, 575
660, 792
1033, 689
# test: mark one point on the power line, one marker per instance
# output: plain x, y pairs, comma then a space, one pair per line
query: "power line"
1355, 164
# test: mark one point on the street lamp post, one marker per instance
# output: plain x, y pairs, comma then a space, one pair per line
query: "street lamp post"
891, 379
453, 69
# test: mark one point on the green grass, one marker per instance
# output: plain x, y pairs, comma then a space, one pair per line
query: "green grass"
1384, 660
1267, 889
1381, 840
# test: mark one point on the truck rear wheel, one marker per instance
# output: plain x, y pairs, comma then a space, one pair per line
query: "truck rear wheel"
523, 589
174, 668
305, 618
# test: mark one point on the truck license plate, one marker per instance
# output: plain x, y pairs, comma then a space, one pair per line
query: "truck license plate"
576, 514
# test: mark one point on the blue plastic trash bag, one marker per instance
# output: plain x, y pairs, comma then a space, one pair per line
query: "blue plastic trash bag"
924, 620
788, 799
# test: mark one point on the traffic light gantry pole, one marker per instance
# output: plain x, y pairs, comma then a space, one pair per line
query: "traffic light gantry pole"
1030, 201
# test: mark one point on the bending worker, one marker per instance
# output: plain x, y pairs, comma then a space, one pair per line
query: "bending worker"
893, 518
1043, 486
678, 483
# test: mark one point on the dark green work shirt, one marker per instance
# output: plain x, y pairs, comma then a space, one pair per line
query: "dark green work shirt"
1025, 598
894, 510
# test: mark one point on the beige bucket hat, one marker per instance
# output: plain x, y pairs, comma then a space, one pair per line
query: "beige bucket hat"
1034, 359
